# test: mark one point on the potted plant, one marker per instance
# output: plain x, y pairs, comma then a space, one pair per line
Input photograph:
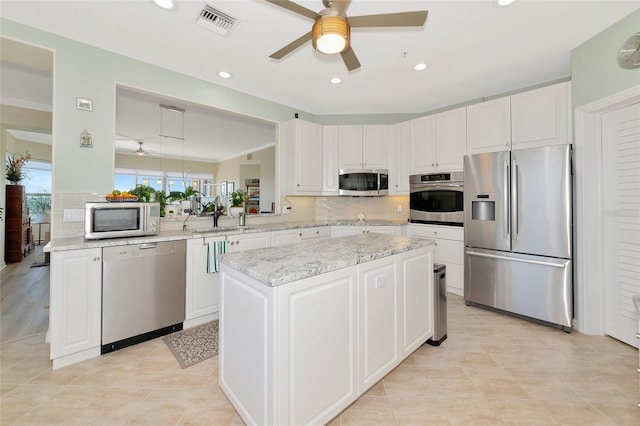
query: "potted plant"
237, 202
40, 208
13, 167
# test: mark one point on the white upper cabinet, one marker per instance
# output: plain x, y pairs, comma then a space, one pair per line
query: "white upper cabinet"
363, 147
398, 148
451, 139
301, 153
540, 117
489, 126
530, 119
438, 141
422, 144
330, 159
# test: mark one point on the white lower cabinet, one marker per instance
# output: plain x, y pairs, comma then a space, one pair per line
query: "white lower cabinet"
293, 236
250, 241
202, 293
280, 364
344, 230
75, 314
449, 250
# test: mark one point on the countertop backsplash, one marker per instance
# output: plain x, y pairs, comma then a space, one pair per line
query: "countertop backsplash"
321, 209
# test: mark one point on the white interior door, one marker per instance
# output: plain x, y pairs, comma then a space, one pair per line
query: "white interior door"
621, 204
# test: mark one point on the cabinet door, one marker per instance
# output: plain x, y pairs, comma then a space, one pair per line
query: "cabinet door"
308, 157
284, 238
451, 139
317, 232
540, 117
416, 298
379, 315
341, 231
489, 126
374, 147
76, 298
350, 147
243, 242
202, 299
398, 148
422, 148
385, 229
330, 159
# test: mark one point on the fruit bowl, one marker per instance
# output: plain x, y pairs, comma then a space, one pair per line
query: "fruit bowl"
121, 198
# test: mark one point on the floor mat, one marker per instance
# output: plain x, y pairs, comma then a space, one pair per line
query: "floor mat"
195, 344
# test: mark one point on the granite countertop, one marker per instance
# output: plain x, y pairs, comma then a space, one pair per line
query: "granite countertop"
79, 242
280, 265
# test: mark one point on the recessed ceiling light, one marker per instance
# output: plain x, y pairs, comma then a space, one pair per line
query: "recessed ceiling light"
505, 2
336, 80
421, 66
165, 4
224, 74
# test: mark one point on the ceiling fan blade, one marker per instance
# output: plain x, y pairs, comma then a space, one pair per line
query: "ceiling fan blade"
401, 19
294, 7
340, 6
350, 59
291, 46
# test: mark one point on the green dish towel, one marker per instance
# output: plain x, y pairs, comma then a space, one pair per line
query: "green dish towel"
214, 250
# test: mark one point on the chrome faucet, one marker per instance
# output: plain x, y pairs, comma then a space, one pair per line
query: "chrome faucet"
218, 211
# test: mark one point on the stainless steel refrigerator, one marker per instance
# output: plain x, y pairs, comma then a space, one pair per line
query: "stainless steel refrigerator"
518, 233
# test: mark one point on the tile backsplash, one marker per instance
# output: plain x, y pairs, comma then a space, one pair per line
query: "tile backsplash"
303, 209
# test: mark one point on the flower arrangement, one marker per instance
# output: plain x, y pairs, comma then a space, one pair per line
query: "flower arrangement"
238, 198
13, 167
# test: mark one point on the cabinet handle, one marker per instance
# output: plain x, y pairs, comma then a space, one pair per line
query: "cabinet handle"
317, 232
297, 184
300, 234
96, 259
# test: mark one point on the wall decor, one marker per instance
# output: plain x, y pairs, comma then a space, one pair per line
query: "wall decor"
84, 104
85, 139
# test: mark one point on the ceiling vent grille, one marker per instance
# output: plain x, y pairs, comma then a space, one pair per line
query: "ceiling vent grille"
215, 20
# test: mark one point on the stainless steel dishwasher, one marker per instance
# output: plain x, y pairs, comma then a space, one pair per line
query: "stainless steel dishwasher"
143, 292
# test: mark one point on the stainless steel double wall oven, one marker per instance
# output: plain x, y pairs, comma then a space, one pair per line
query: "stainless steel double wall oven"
437, 198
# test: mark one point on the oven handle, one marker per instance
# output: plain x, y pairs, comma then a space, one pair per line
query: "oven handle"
422, 186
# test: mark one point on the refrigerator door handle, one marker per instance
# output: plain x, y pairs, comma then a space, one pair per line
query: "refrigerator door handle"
514, 199
515, 259
507, 220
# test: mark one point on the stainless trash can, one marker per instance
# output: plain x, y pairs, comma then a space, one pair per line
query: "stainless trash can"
439, 304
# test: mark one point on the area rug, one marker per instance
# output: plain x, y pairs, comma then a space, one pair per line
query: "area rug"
195, 344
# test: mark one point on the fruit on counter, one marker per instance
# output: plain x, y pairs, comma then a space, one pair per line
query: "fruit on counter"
115, 192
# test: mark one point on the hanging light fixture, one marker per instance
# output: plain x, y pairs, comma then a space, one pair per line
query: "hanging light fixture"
330, 34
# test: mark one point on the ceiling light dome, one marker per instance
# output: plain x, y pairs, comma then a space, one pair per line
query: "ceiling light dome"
330, 34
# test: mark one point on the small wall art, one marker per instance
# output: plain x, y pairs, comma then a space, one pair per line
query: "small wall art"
85, 140
84, 104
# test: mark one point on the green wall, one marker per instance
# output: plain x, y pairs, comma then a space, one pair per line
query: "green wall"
84, 71
594, 69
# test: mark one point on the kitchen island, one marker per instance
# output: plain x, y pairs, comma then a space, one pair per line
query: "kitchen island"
306, 329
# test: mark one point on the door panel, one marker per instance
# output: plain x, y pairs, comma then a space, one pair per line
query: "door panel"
541, 201
486, 201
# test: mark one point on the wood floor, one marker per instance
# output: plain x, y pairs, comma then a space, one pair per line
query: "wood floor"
24, 299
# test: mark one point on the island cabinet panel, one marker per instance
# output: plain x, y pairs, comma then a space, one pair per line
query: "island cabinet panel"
416, 293
250, 241
299, 353
202, 295
379, 315
75, 306
319, 348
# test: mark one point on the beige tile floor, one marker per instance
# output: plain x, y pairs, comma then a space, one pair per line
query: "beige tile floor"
492, 370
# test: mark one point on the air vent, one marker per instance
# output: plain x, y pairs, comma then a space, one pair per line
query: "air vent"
215, 20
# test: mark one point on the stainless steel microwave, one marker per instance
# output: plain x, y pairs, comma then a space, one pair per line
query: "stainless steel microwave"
364, 183
115, 220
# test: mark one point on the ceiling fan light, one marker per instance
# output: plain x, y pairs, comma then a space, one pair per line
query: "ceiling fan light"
330, 34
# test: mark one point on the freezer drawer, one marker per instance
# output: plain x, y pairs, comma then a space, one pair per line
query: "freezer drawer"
533, 286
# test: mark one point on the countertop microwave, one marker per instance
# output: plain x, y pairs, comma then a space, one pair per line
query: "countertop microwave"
363, 183
115, 220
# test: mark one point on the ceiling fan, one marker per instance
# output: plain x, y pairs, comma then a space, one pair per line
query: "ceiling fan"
331, 31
